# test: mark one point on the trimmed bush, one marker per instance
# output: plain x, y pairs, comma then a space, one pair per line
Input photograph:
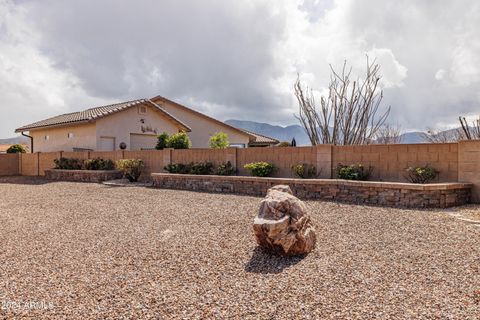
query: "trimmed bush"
204, 168
16, 148
201, 168
354, 172
131, 168
421, 174
162, 141
226, 169
284, 144
68, 164
304, 171
99, 164
260, 169
178, 168
179, 141
219, 140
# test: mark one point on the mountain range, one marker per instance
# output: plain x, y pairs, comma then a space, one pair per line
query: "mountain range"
14, 140
296, 131
278, 132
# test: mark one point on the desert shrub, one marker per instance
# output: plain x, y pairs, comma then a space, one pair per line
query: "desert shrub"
177, 168
162, 141
201, 168
179, 141
219, 140
421, 174
304, 171
99, 164
284, 144
260, 169
16, 148
354, 172
68, 164
131, 168
226, 169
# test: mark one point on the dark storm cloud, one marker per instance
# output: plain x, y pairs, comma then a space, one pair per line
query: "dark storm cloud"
214, 51
236, 59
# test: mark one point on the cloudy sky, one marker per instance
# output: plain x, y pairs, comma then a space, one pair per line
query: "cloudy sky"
235, 59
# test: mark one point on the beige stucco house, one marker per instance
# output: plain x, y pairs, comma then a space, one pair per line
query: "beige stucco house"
136, 124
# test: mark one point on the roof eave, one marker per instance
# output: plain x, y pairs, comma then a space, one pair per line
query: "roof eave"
65, 124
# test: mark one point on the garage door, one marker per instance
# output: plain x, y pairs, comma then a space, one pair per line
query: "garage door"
107, 144
142, 141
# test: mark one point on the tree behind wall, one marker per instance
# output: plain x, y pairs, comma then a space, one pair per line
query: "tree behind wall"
389, 134
349, 114
470, 132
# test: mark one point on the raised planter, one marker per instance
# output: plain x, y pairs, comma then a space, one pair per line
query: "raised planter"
395, 194
82, 175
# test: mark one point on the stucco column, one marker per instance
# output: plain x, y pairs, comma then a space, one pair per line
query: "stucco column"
167, 156
469, 165
324, 160
231, 156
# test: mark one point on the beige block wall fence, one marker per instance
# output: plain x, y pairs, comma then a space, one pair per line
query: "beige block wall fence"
455, 161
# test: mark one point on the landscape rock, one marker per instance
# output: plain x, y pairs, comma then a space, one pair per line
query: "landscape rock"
283, 225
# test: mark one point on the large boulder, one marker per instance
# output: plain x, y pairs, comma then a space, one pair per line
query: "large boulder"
282, 225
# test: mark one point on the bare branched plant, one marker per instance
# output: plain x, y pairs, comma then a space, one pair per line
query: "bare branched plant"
350, 113
436, 136
470, 132
389, 134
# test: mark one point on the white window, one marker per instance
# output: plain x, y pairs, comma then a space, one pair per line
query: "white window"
142, 109
47, 137
70, 135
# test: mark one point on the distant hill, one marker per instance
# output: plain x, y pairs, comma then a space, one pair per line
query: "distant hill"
278, 132
413, 137
19, 140
297, 131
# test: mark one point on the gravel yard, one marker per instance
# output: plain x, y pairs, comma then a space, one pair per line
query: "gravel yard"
89, 251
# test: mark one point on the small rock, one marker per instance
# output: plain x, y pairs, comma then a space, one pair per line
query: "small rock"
282, 225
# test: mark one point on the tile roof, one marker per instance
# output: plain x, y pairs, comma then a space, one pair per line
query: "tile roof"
95, 113
261, 139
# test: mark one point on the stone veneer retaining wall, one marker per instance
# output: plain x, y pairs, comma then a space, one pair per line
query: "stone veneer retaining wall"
407, 195
82, 175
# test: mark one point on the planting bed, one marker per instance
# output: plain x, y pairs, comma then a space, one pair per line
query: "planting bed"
408, 195
82, 175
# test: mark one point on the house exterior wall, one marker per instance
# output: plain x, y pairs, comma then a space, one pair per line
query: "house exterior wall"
84, 136
120, 125
202, 127
88, 135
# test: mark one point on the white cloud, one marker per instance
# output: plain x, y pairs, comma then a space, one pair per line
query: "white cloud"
440, 74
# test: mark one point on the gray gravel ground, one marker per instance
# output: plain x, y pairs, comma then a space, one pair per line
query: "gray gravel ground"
89, 251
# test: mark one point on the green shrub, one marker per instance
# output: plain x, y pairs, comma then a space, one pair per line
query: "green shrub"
162, 141
201, 168
219, 140
178, 168
226, 169
68, 164
304, 171
260, 169
421, 174
204, 168
354, 172
99, 164
131, 168
284, 144
16, 148
179, 141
